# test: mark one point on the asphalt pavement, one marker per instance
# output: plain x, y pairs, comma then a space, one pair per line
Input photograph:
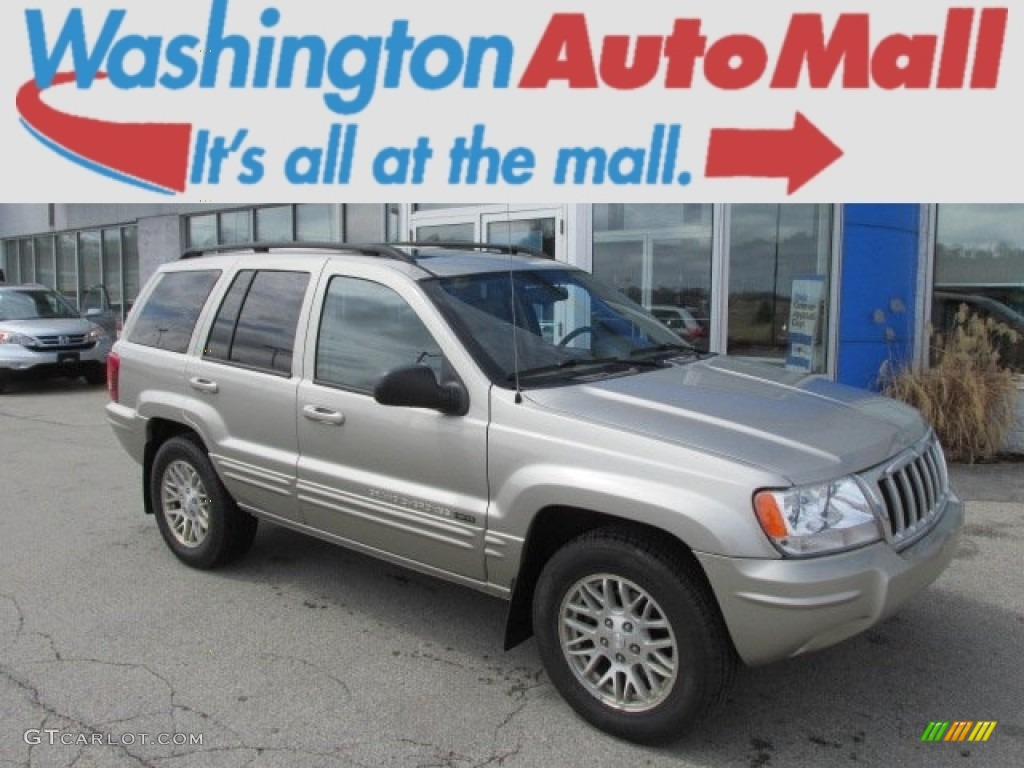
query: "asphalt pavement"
305, 654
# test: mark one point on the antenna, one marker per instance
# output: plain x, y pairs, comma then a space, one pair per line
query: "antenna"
512, 296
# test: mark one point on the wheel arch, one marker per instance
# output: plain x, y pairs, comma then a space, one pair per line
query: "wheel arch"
551, 529
158, 432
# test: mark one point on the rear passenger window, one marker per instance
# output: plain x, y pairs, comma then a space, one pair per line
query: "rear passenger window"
256, 323
168, 317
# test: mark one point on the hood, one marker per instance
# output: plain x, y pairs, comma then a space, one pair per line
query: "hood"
804, 428
44, 326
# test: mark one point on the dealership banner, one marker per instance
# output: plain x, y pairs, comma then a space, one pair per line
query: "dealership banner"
463, 100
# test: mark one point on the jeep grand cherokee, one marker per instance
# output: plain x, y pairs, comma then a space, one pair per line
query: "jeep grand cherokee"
652, 514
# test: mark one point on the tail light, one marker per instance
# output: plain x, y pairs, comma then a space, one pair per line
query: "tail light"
113, 376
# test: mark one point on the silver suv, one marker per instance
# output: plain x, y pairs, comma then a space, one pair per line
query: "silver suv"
42, 335
653, 515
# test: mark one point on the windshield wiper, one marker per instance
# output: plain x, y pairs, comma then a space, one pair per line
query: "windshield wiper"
661, 349
573, 365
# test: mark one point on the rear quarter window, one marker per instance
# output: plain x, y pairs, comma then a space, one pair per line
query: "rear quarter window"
168, 318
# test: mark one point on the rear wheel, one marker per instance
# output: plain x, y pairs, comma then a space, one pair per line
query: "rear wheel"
197, 517
630, 635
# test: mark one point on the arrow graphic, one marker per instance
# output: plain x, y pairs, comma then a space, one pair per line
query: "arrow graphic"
153, 156
798, 154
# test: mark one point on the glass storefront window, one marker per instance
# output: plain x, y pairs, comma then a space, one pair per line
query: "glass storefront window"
90, 267
538, 233
235, 227
446, 233
202, 231
979, 262
112, 267
130, 264
660, 256
9, 262
67, 273
420, 207
314, 222
274, 224
780, 259
46, 269
26, 259
270, 224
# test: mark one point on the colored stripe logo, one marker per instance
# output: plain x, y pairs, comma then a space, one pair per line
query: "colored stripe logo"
959, 730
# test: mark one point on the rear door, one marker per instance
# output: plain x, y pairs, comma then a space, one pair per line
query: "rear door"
242, 386
408, 482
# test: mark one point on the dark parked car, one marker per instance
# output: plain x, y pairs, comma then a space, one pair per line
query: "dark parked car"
946, 304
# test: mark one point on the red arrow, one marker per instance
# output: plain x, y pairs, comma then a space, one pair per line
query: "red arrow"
799, 153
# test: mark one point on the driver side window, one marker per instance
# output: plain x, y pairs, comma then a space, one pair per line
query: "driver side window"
366, 330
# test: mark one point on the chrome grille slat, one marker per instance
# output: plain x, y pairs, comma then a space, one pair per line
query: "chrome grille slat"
920, 495
62, 343
909, 504
912, 490
930, 480
54, 341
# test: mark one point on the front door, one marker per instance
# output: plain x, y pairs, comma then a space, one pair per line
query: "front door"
409, 482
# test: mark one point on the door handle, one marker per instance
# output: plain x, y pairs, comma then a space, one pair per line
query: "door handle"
323, 415
203, 385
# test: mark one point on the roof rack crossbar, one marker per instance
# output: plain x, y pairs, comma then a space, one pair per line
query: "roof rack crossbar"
380, 250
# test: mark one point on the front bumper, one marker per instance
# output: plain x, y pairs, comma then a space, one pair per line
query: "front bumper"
776, 609
15, 359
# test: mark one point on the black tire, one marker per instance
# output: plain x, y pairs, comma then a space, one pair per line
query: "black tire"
181, 463
96, 375
703, 654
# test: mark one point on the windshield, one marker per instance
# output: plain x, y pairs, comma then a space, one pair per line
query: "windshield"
562, 324
34, 304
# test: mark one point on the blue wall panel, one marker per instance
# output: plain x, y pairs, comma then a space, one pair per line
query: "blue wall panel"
880, 262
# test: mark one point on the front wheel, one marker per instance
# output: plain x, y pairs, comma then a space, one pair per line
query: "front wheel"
197, 517
630, 635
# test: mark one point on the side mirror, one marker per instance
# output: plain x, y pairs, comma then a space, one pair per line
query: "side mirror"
93, 312
415, 386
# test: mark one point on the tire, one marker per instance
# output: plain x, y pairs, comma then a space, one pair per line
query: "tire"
631, 636
198, 519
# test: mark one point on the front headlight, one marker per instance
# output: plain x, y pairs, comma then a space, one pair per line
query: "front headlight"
96, 334
17, 338
817, 519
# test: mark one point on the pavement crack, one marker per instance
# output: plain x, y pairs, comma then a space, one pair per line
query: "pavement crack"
36, 700
499, 758
41, 420
309, 665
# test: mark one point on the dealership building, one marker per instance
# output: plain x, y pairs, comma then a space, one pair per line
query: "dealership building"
835, 290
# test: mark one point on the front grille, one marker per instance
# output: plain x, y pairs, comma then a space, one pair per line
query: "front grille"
913, 489
62, 343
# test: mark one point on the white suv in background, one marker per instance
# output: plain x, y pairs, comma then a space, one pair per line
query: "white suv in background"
41, 335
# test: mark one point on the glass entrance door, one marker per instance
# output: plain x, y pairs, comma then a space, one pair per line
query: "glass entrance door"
539, 230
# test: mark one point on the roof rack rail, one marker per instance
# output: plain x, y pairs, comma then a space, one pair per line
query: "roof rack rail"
457, 245
383, 251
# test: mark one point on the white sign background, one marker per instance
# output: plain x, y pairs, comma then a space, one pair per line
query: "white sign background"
898, 145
